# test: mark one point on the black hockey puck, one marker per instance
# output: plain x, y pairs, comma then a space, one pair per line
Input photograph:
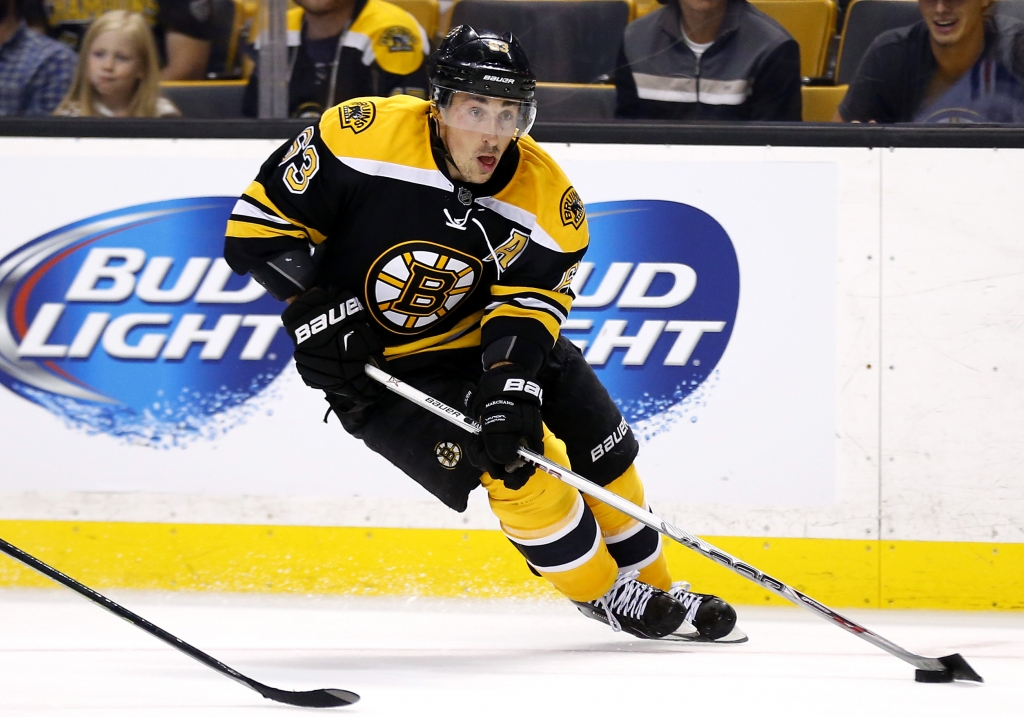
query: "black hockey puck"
933, 675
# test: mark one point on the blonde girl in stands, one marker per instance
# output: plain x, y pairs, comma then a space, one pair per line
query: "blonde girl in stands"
118, 73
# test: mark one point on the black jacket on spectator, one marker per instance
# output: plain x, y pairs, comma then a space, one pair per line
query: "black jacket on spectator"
750, 72
893, 77
383, 53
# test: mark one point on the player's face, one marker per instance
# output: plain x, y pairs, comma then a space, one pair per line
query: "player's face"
114, 66
949, 21
477, 131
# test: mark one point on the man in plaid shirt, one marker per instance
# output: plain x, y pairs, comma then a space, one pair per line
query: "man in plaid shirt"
35, 71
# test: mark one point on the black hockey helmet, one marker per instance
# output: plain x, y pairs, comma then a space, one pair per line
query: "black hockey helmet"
484, 64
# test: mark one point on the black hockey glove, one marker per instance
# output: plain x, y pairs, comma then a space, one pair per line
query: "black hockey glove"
333, 342
507, 404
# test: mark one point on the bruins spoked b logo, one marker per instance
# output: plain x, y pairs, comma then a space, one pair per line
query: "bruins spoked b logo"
357, 116
448, 454
573, 211
413, 285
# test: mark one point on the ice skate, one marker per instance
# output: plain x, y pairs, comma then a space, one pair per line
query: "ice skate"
637, 608
706, 618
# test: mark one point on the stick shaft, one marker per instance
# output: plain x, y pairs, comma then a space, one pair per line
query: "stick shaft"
125, 614
665, 528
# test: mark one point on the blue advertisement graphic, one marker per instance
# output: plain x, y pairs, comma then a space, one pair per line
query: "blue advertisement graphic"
129, 323
656, 302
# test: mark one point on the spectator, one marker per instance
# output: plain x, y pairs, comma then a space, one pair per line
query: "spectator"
118, 71
708, 60
182, 29
956, 65
346, 49
35, 71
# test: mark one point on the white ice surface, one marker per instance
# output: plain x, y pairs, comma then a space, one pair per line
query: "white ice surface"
61, 655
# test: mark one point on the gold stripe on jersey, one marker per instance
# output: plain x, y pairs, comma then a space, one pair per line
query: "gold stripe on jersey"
258, 194
465, 334
238, 229
541, 189
399, 136
555, 297
549, 307
549, 322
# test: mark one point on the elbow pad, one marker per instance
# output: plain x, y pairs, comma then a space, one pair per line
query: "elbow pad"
286, 275
517, 350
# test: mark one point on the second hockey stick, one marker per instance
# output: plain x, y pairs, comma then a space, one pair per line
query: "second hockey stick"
929, 669
312, 698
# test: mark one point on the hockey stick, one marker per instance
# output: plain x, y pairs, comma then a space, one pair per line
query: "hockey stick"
929, 669
313, 698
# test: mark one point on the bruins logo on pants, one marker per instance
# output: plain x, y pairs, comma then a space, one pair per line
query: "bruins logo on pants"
413, 285
448, 454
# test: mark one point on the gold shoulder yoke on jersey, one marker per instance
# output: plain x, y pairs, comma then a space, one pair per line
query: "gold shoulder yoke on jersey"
392, 130
540, 189
398, 42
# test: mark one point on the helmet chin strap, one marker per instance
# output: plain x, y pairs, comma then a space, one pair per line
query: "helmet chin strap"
435, 117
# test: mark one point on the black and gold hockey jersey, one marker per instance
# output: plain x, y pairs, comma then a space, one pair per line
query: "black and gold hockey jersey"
440, 264
383, 53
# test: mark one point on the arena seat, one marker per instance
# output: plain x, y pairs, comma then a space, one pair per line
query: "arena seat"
566, 102
645, 6
228, 18
574, 41
426, 12
820, 102
812, 23
206, 99
866, 20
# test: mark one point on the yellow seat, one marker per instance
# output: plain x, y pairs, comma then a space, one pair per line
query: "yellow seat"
821, 103
426, 12
812, 23
645, 6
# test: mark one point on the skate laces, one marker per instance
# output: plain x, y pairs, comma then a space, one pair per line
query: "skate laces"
628, 597
690, 601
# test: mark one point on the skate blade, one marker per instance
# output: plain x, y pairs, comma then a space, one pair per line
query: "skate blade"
735, 637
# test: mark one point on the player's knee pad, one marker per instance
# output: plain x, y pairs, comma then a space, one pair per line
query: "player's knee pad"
555, 529
542, 503
633, 545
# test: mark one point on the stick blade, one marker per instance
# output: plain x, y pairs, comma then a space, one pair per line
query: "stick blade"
313, 698
956, 669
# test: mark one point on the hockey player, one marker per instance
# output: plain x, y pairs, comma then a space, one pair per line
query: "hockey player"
438, 240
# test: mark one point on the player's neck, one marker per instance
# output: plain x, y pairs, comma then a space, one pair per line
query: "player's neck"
955, 60
329, 24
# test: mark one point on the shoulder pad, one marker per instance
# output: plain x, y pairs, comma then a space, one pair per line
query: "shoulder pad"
390, 130
541, 189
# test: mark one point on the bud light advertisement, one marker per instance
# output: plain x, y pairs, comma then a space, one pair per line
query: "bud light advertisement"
130, 323
656, 301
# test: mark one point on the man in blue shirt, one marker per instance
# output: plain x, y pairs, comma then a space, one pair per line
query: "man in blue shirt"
959, 64
35, 71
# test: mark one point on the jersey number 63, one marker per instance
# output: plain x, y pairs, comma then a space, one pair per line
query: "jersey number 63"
298, 174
